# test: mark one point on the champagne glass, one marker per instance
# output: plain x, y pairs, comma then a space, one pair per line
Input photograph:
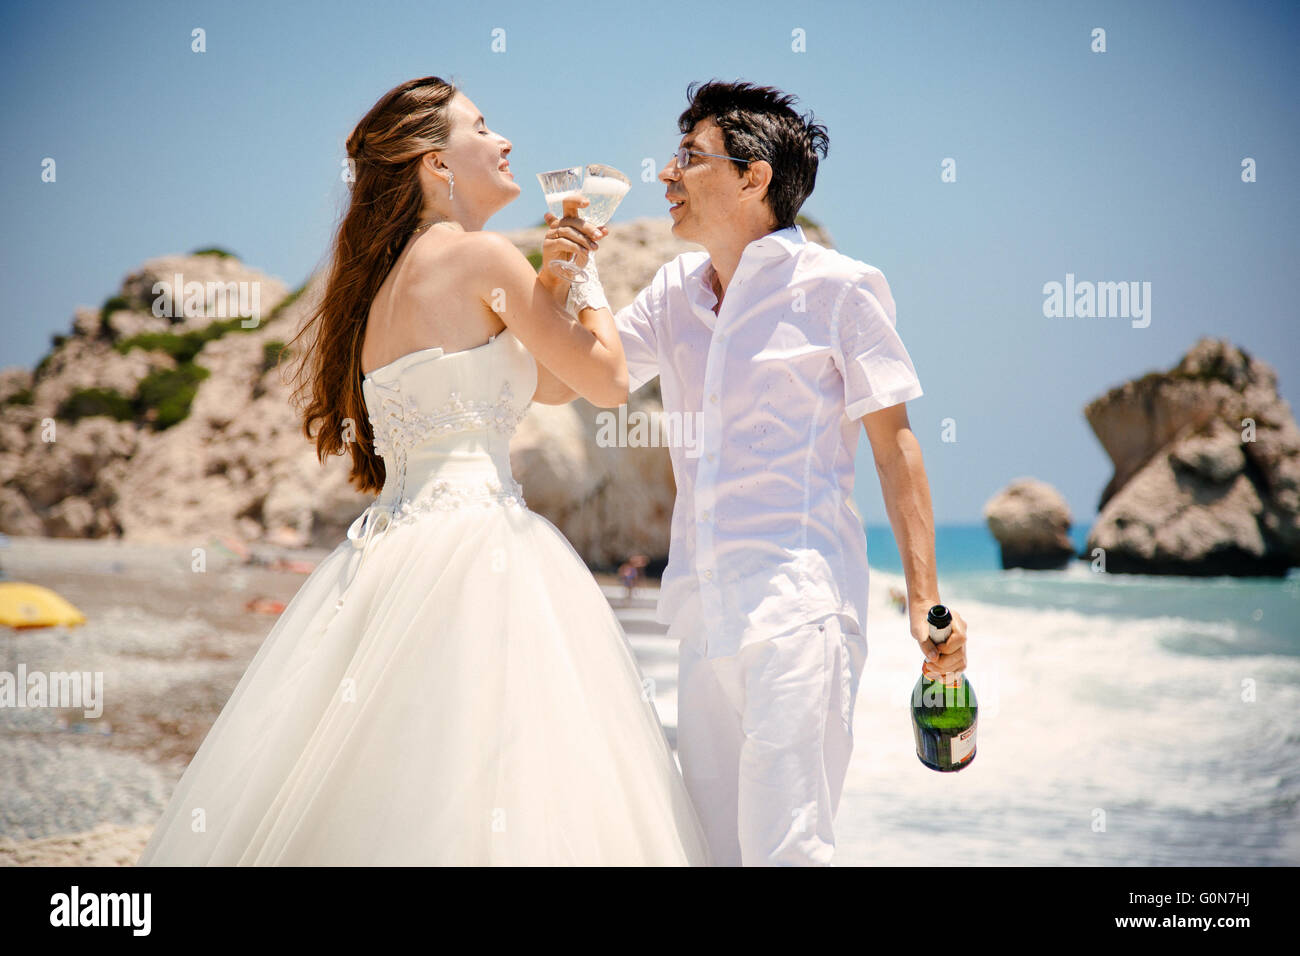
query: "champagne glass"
559, 185
604, 188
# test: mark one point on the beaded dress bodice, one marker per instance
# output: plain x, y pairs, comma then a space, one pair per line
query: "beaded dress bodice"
442, 423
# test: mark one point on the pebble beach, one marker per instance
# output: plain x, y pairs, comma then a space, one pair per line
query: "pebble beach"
171, 644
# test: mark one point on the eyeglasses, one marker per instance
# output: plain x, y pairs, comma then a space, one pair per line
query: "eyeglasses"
683, 157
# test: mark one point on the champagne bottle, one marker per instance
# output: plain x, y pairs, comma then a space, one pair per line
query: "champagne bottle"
944, 713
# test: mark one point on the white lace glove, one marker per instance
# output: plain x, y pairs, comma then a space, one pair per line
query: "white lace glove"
589, 294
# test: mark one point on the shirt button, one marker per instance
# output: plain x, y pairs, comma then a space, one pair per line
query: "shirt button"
710, 456
714, 398
705, 516
708, 575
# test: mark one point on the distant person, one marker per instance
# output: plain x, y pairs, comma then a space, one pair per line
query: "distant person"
630, 571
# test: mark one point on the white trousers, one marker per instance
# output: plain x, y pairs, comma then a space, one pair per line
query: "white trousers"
764, 738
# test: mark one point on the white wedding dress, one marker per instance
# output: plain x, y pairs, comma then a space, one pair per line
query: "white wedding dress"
449, 686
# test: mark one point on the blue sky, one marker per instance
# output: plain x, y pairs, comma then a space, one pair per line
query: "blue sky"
1116, 166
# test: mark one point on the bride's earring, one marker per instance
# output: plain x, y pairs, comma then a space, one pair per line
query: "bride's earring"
451, 184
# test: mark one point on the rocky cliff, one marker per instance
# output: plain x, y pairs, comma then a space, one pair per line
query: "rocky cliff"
1207, 469
179, 427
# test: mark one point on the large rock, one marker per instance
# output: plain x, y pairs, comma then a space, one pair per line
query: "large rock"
1031, 523
239, 465
72, 462
1207, 469
207, 475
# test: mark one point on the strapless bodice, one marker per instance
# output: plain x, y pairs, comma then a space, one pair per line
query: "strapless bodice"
442, 423
448, 416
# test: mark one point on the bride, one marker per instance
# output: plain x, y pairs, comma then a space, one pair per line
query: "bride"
450, 685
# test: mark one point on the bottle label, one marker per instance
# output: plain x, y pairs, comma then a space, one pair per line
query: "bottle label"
963, 745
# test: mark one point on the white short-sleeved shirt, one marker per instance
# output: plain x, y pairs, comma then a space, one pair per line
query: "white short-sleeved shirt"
767, 395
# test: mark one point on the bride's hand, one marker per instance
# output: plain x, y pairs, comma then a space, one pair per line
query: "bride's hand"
572, 237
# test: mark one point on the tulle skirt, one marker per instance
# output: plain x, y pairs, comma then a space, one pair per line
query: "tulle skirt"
472, 700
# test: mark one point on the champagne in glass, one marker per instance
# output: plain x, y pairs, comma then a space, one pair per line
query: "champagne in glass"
604, 188
559, 185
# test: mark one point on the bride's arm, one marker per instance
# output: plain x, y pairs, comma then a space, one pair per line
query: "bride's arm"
552, 391
587, 356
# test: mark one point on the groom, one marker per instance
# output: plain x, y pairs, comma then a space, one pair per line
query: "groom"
780, 347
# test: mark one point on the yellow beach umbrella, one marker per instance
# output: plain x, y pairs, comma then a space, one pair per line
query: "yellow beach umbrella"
30, 605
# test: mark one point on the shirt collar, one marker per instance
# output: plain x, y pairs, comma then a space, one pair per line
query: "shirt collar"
774, 245
782, 242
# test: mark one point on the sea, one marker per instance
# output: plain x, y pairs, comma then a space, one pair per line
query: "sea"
1124, 719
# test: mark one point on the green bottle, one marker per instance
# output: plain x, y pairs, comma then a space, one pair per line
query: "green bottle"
944, 714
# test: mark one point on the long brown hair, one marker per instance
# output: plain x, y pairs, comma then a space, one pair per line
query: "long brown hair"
384, 152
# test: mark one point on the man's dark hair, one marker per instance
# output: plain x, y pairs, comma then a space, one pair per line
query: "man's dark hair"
757, 122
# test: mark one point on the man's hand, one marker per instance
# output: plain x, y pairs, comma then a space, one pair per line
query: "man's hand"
949, 658
570, 238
